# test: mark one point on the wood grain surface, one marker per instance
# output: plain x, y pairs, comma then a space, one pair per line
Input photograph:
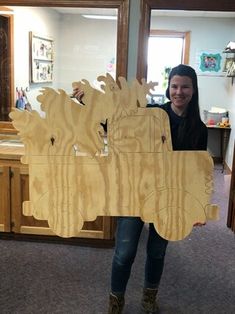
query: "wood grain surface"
78, 172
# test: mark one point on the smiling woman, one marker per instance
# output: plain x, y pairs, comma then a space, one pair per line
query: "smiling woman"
78, 52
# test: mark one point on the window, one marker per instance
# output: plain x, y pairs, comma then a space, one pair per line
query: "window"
166, 49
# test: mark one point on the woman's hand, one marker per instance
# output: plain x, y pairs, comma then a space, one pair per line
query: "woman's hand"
78, 94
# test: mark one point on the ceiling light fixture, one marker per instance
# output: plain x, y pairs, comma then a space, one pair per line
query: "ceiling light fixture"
7, 12
100, 17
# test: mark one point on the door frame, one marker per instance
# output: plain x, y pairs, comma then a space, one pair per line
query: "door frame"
144, 27
122, 32
6, 125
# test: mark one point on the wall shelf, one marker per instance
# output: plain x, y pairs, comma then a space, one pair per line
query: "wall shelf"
229, 65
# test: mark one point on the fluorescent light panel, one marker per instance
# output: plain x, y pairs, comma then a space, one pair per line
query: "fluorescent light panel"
100, 17
7, 12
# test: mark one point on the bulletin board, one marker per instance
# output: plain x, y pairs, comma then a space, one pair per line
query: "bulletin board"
41, 58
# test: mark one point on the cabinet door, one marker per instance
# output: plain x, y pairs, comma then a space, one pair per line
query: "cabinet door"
19, 194
5, 223
101, 228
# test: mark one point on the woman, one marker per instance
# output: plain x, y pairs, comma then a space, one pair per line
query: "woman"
188, 132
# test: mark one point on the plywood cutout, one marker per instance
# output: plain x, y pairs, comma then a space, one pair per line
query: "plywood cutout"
77, 172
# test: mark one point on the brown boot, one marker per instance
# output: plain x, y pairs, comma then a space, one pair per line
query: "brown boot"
148, 302
116, 304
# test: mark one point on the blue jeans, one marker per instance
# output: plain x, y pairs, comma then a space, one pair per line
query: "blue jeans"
127, 238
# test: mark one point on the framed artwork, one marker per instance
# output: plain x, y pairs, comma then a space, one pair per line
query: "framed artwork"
229, 66
41, 58
209, 62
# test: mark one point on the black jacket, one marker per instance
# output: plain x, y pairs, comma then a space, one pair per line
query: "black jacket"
190, 142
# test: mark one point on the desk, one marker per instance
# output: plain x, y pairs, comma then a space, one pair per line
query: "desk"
224, 137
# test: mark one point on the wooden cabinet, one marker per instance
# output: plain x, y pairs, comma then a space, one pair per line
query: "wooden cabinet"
5, 218
14, 189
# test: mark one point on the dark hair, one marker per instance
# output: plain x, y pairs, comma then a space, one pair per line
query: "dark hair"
192, 120
185, 70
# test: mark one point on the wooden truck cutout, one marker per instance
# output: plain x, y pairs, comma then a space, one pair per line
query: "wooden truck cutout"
74, 177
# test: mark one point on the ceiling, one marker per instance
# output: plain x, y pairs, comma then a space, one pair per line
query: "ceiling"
110, 11
184, 13
89, 11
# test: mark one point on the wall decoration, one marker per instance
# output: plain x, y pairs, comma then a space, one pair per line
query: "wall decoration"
111, 66
229, 67
41, 58
227, 64
209, 62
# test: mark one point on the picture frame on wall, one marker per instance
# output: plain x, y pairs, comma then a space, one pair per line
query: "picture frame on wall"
209, 62
229, 67
227, 64
41, 58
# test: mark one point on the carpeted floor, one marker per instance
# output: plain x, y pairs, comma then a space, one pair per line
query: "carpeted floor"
199, 274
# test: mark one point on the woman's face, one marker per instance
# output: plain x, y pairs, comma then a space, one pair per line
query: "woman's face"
181, 92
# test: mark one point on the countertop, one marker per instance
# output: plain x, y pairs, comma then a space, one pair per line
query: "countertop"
11, 149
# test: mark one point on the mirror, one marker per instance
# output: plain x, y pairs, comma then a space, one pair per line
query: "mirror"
83, 47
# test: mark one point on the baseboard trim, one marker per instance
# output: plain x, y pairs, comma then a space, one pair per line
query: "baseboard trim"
97, 243
218, 160
227, 169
